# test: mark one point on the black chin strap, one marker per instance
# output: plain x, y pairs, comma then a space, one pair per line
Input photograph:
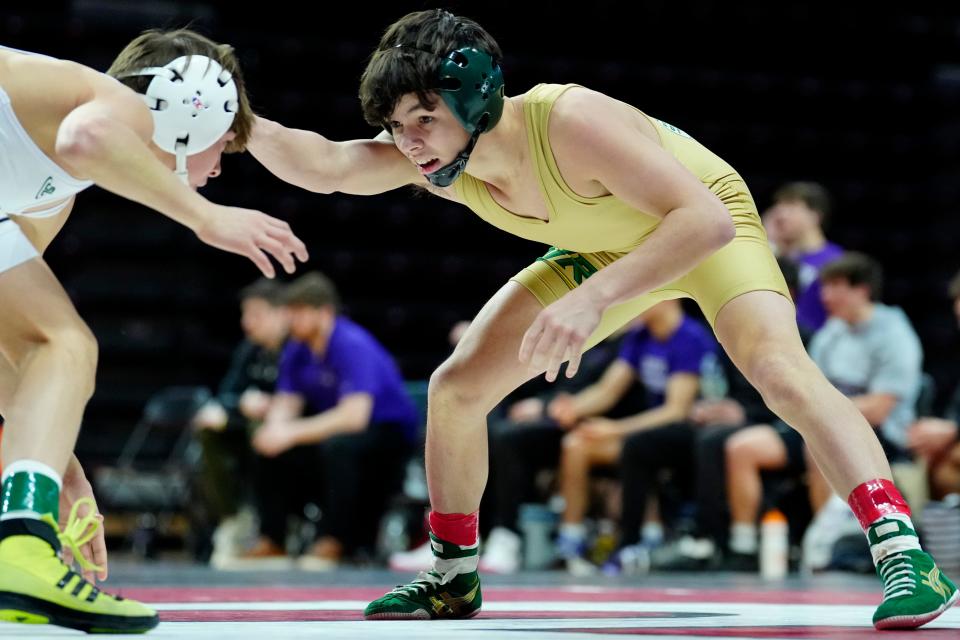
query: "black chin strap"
446, 175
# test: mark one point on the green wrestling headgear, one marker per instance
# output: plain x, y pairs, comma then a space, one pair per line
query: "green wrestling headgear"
471, 84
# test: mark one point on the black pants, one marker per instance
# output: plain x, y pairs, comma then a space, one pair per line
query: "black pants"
645, 455
350, 477
695, 455
713, 514
225, 469
517, 454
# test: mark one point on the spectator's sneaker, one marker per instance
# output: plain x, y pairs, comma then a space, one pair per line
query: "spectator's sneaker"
232, 537
686, 554
572, 550
264, 555
451, 590
501, 553
570, 546
734, 561
834, 521
325, 555
418, 559
914, 591
36, 587
631, 560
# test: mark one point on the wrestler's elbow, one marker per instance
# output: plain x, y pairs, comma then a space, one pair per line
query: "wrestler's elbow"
719, 227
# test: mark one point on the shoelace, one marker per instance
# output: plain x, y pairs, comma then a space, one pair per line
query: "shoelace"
894, 586
78, 531
424, 581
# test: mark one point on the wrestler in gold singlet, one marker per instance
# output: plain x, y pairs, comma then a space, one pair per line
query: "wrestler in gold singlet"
587, 234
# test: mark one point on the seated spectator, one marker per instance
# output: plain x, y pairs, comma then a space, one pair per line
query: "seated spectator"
340, 410
795, 225
871, 353
937, 440
667, 355
223, 425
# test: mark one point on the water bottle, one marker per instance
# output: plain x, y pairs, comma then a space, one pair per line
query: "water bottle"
713, 379
536, 523
774, 545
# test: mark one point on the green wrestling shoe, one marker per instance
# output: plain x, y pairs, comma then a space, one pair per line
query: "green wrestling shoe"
36, 587
914, 591
451, 591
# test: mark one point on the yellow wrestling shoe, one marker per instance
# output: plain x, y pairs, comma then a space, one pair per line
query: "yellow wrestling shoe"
37, 587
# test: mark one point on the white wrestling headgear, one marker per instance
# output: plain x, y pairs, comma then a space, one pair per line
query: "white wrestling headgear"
193, 101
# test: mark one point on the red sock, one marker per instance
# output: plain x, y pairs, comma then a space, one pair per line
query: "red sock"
874, 499
458, 528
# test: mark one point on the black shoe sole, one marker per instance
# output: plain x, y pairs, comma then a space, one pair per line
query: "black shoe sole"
17, 607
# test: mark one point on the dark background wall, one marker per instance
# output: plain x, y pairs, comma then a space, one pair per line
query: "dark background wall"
862, 99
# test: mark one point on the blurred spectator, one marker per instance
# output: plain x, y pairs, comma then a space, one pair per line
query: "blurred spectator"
871, 353
223, 426
338, 431
795, 226
936, 440
667, 355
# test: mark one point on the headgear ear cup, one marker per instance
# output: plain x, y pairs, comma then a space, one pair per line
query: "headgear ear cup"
193, 100
471, 84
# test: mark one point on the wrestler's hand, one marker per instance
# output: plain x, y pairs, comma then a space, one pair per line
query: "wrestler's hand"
253, 234
559, 333
75, 487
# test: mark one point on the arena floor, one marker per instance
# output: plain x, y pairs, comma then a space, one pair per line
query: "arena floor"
196, 602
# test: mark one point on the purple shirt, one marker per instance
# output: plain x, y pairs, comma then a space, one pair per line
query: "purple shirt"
810, 312
353, 363
686, 351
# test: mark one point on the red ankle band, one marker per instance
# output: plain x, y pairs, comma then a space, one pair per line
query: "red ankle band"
874, 499
458, 528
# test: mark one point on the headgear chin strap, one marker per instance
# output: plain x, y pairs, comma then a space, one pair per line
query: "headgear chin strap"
447, 174
193, 101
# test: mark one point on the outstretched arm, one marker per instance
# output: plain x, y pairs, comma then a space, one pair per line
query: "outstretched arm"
310, 161
105, 139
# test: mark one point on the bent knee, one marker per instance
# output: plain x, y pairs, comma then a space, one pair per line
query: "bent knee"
945, 478
74, 349
573, 443
454, 385
70, 339
77, 343
953, 457
783, 378
747, 446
